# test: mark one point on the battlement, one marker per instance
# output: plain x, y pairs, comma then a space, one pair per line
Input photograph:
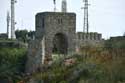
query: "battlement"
89, 36
92, 39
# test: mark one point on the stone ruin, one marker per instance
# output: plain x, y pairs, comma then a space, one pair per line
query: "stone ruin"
55, 33
91, 38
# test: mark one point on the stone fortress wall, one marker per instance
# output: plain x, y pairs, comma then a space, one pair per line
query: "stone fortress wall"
55, 32
91, 38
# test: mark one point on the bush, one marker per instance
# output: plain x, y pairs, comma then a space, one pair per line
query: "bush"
12, 62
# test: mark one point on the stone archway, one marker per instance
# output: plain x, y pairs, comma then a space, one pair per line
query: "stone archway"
49, 27
60, 44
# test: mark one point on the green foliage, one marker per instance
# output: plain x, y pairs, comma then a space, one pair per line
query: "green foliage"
12, 62
31, 34
118, 42
97, 69
24, 35
21, 35
84, 72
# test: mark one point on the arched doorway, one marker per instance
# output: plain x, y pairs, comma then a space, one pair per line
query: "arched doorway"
60, 44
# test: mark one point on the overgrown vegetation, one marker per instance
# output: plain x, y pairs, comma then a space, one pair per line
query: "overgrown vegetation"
12, 62
93, 65
24, 35
83, 71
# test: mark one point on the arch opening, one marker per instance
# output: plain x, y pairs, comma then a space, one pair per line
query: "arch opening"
60, 44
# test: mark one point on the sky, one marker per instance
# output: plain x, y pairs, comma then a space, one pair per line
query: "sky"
105, 16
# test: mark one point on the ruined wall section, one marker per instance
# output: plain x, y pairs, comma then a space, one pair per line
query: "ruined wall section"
92, 39
48, 24
34, 57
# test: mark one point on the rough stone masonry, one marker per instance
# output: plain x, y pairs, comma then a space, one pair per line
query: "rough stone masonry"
55, 33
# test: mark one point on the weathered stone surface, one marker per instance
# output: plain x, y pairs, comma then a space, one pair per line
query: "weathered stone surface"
91, 39
54, 30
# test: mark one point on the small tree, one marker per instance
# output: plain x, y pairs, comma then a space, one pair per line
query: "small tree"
21, 35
